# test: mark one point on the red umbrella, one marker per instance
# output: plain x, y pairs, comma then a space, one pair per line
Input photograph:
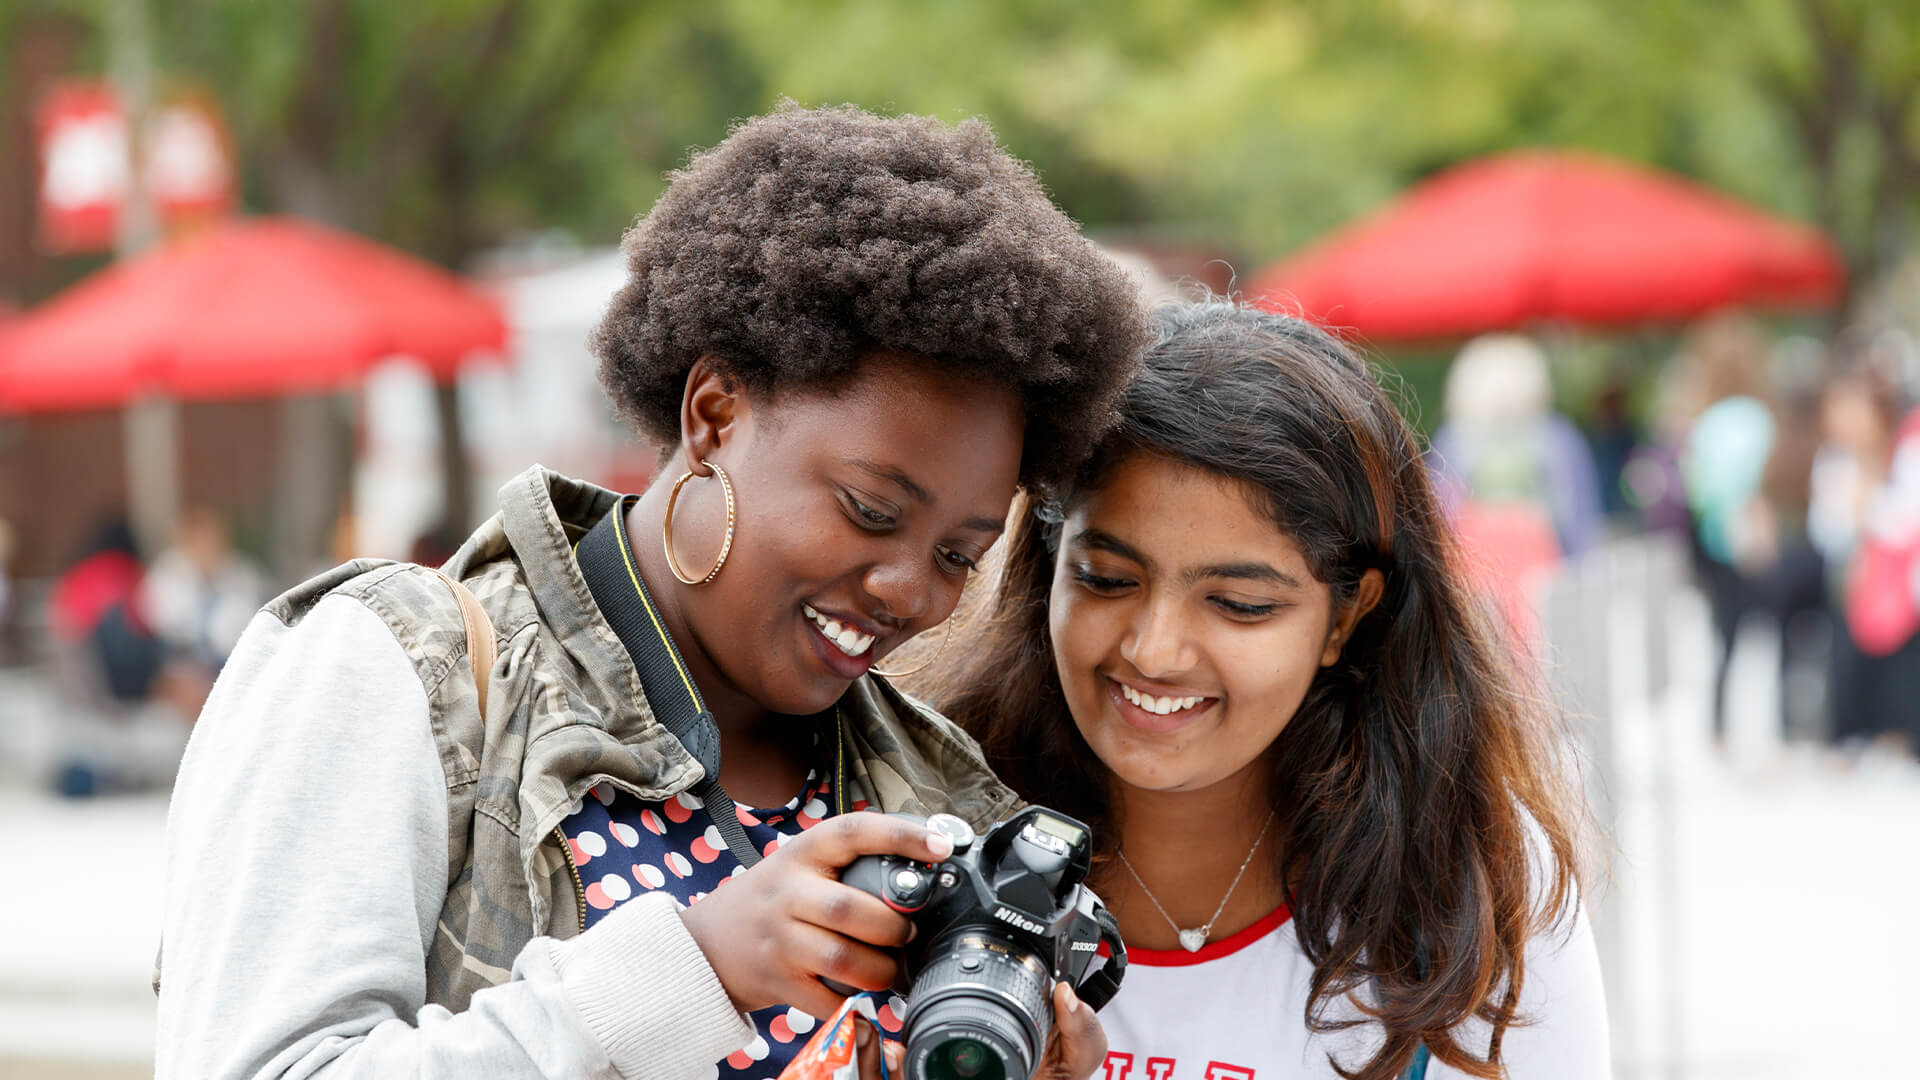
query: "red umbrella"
1545, 236
243, 309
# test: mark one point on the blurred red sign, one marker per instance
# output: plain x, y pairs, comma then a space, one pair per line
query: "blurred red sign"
189, 160
86, 169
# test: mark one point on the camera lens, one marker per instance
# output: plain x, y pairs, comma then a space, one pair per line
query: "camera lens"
979, 1011
967, 1056
965, 1059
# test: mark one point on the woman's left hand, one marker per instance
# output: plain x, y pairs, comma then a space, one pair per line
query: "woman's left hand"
1078, 1047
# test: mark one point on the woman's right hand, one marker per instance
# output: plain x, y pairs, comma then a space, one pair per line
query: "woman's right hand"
774, 932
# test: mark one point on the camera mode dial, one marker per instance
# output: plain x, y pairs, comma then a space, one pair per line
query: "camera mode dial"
953, 828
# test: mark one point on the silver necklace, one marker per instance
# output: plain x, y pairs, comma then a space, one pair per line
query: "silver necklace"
1193, 939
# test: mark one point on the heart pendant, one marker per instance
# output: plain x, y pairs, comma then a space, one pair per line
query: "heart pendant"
1193, 940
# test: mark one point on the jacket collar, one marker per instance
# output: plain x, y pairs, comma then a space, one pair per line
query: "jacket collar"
909, 757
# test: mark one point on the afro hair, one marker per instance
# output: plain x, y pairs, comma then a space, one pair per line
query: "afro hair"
811, 238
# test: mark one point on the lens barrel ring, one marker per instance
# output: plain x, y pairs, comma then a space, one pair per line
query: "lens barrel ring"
980, 986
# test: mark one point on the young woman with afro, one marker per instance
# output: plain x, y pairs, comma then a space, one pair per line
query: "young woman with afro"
614, 851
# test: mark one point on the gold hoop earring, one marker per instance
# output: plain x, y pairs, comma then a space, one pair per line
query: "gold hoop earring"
924, 664
666, 527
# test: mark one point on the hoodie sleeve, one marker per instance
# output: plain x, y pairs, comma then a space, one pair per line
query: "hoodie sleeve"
305, 872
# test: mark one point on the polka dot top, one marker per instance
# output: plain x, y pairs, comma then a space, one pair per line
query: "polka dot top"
623, 846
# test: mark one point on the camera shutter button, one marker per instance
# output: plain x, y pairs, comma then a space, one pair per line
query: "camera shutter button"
908, 889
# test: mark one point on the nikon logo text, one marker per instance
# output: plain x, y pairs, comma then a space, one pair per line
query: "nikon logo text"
1019, 920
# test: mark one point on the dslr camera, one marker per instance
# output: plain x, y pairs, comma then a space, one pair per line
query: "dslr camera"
999, 922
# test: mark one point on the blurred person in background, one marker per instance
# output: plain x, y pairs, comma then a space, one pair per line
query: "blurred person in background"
1865, 517
199, 594
1515, 477
853, 339
1650, 479
1614, 438
109, 667
1504, 445
104, 643
1746, 465
1331, 818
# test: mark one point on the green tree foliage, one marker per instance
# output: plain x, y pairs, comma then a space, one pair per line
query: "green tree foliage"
446, 125
443, 125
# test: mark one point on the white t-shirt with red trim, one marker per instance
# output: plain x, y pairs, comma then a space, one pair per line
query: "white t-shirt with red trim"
1236, 1010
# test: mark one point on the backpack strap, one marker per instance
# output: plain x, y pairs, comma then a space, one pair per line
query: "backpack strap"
480, 647
480, 654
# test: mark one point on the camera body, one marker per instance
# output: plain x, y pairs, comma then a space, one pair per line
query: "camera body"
999, 922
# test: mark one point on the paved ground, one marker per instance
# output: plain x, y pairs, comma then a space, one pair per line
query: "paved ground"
1759, 923
82, 918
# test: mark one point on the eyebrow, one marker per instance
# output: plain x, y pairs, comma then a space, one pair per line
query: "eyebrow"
1098, 540
1242, 571
895, 475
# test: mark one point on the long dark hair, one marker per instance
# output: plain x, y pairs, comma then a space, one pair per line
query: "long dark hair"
1426, 831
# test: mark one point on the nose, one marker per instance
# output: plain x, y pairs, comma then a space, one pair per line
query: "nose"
1156, 642
905, 592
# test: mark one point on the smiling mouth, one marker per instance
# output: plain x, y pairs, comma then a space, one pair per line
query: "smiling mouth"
1159, 706
849, 640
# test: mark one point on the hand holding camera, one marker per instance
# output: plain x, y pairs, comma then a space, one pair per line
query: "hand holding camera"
1005, 932
1000, 927
776, 931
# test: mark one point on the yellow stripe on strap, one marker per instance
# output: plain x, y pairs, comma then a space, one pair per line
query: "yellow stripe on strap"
626, 556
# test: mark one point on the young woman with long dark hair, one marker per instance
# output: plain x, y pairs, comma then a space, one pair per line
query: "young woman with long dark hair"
1335, 832
613, 850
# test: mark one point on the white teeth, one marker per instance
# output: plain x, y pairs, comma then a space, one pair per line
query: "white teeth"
845, 638
1159, 706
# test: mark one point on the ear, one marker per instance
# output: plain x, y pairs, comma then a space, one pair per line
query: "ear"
1365, 596
711, 409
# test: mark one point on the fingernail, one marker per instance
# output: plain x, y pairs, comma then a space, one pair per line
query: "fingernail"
862, 1034
1073, 1001
939, 844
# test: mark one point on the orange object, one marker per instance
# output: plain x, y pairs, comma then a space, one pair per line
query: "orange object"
832, 1053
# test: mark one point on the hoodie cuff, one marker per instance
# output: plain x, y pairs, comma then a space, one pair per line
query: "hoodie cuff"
647, 992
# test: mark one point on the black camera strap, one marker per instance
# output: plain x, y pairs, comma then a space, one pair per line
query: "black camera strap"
1103, 982
606, 561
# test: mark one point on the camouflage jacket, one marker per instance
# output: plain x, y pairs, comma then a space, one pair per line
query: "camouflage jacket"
565, 712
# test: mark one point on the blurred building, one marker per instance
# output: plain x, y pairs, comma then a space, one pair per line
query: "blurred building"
545, 406
43, 48
64, 472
